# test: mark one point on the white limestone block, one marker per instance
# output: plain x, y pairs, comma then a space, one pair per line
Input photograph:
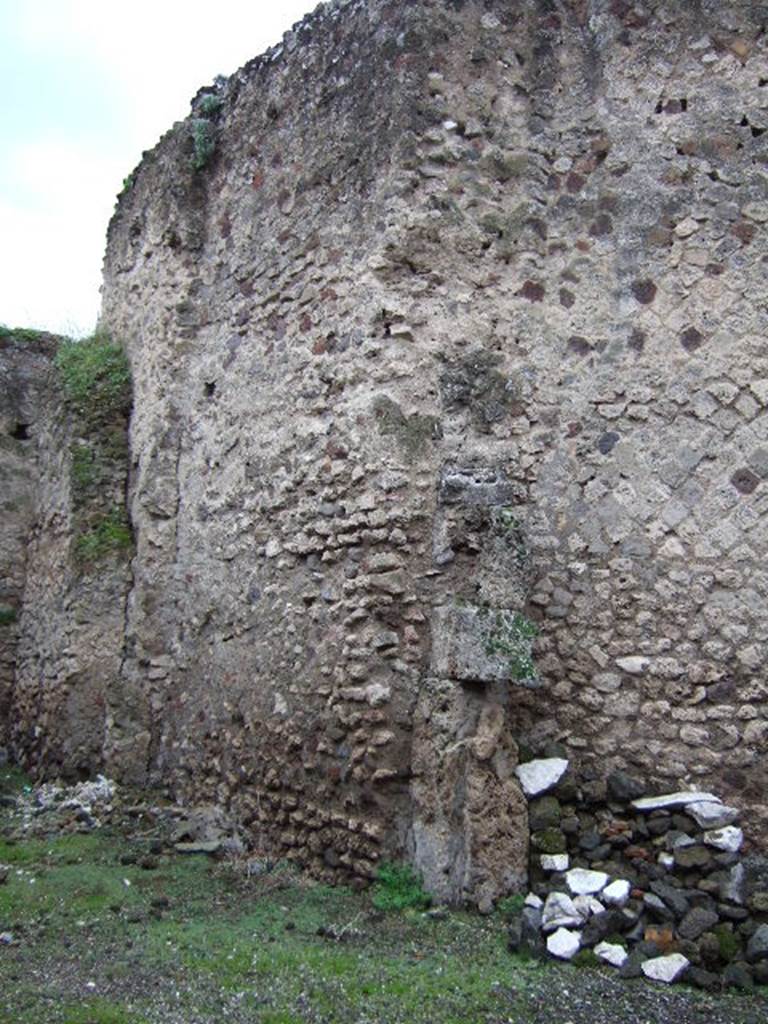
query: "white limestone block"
712, 816
538, 776
583, 882
560, 912
617, 893
728, 839
665, 968
669, 800
634, 665
564, 944
611, 953
555, 861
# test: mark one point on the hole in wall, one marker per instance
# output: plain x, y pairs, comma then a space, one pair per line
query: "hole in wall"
209, 388
20, 432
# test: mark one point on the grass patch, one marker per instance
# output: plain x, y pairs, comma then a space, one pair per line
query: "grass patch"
398, 887
95, 377
99, 1011
110, 534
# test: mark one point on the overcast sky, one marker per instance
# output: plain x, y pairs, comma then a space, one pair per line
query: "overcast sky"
85, 87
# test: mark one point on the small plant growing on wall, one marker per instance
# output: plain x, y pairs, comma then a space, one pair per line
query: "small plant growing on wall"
510, 636
95, 377
204, 141
96, 386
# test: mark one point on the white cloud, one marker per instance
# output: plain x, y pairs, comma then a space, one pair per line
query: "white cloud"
140, 63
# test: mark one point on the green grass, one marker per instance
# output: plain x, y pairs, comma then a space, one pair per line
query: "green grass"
232, 949
27, 334
109, 535
398, 887
95, 377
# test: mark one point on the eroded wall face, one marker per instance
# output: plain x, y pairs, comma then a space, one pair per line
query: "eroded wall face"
72, 577
25, 366
460, 326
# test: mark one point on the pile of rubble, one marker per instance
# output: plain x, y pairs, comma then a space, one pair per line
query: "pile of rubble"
655, 886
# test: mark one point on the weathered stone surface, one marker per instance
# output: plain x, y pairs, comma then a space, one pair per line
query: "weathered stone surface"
671, 800
665, 968
555, 861
711, 815
728, 839
617, 893
611, 953
696, 922
757, 947
385, 367
564, 944
560, 911
583, 882
541, 775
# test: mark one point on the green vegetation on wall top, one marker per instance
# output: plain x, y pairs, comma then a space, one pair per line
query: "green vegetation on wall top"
95, 376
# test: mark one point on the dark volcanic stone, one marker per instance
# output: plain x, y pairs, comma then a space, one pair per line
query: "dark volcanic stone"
696, 922
624, 788
657, 908
696, 856
601, 925
543, 813
757, 947
673, 898
590, 840
703, 979
548, 840
738, 975
632, 966
658, 826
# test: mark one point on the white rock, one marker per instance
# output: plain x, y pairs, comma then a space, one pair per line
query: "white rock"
560, 912
712, 816
634, 665
538, 776
665, 968
658, 803
612, 954
617, 893
666, 860
729, 839
686, 227
555, 861
532, 900
588, 905
583, 882
563, 943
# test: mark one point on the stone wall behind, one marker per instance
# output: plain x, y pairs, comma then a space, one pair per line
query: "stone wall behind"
446, 318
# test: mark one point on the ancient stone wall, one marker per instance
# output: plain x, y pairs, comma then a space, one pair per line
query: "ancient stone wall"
25, 369
447, 325
72, 547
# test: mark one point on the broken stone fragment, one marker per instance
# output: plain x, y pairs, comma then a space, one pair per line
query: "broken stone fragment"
564, 944
666, 968
728, 839
560, 912
555, 861
541, 775
712, 815
669, 800
583, 882
617, 893
611, 953
633, 665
